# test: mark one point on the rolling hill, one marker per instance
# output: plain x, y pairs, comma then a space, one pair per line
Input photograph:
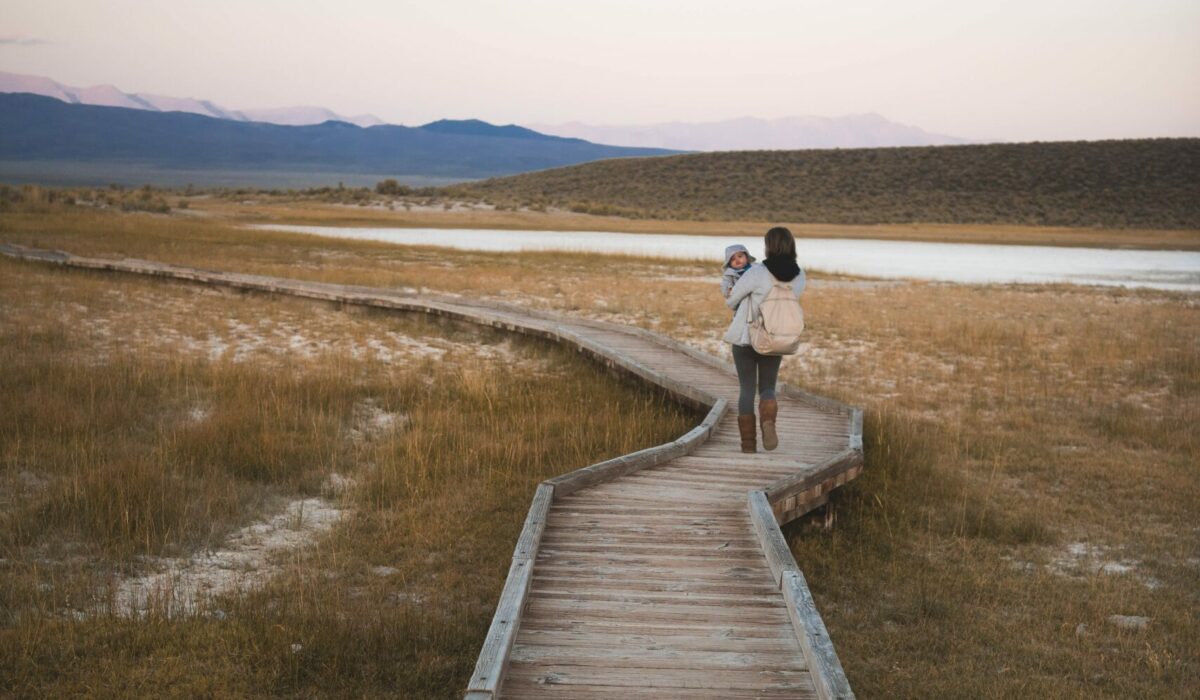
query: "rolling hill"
1151, 183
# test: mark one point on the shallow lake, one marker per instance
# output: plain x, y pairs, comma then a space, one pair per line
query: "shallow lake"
944, 262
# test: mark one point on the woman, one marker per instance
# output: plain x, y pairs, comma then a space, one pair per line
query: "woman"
757, 371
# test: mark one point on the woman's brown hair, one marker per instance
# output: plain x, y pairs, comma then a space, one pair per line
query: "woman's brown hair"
780, 243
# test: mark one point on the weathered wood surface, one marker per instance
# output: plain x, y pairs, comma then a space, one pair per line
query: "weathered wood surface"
657, 574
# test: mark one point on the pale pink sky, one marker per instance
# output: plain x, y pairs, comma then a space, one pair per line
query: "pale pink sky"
1017, 70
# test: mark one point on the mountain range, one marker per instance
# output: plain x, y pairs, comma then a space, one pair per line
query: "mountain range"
40, 130
753, 134
746, 133
110, 96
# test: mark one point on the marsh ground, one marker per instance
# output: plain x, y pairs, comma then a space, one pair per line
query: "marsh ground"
1026, 523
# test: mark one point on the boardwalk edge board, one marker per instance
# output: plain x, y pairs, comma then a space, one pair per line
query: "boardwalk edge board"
776, 504
826, 670
535, 523
823, 664
493, 658
569, 483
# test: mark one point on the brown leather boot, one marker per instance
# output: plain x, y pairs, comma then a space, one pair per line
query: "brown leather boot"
769, 409
746, 427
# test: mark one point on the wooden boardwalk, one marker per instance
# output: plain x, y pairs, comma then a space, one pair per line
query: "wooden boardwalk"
658, 574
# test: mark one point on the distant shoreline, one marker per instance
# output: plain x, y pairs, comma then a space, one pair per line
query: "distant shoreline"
260, 210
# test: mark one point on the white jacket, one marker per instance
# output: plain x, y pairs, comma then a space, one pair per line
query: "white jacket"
746, 296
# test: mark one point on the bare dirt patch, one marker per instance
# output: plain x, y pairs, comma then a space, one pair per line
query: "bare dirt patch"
248, 560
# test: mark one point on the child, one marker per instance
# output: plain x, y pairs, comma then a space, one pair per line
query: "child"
737, 261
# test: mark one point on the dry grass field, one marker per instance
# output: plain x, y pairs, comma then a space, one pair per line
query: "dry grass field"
1026, 525
207, 494
365, 207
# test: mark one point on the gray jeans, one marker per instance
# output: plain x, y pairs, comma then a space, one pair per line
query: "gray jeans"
752, 369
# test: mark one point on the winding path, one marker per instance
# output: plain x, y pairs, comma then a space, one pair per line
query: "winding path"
658, 574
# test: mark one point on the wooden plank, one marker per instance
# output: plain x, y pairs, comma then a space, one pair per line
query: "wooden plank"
587, 572
678, 679
651, 519
802, 418
707, 459
700, 567
731, 481
658, 657
535, 523
779, 557
585, 575
657, 548
680, 492
498, 643
697, 641
828, 677
651, 547
696, 485
630, 594
669, 474
585, 504
629, 490
579, 580
533, 686
592, 542
813, 450
696, 628
681, 565
658, 612
683, 557
648, 522
799, 441
732, 534
598, 495
722, 470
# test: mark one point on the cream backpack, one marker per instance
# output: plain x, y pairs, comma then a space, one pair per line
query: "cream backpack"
780, 321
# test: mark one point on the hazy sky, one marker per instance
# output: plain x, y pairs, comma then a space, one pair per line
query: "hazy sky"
1015, 70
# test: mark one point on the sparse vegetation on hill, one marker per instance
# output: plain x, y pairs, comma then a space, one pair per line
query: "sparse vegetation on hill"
1114, 184
35, 199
